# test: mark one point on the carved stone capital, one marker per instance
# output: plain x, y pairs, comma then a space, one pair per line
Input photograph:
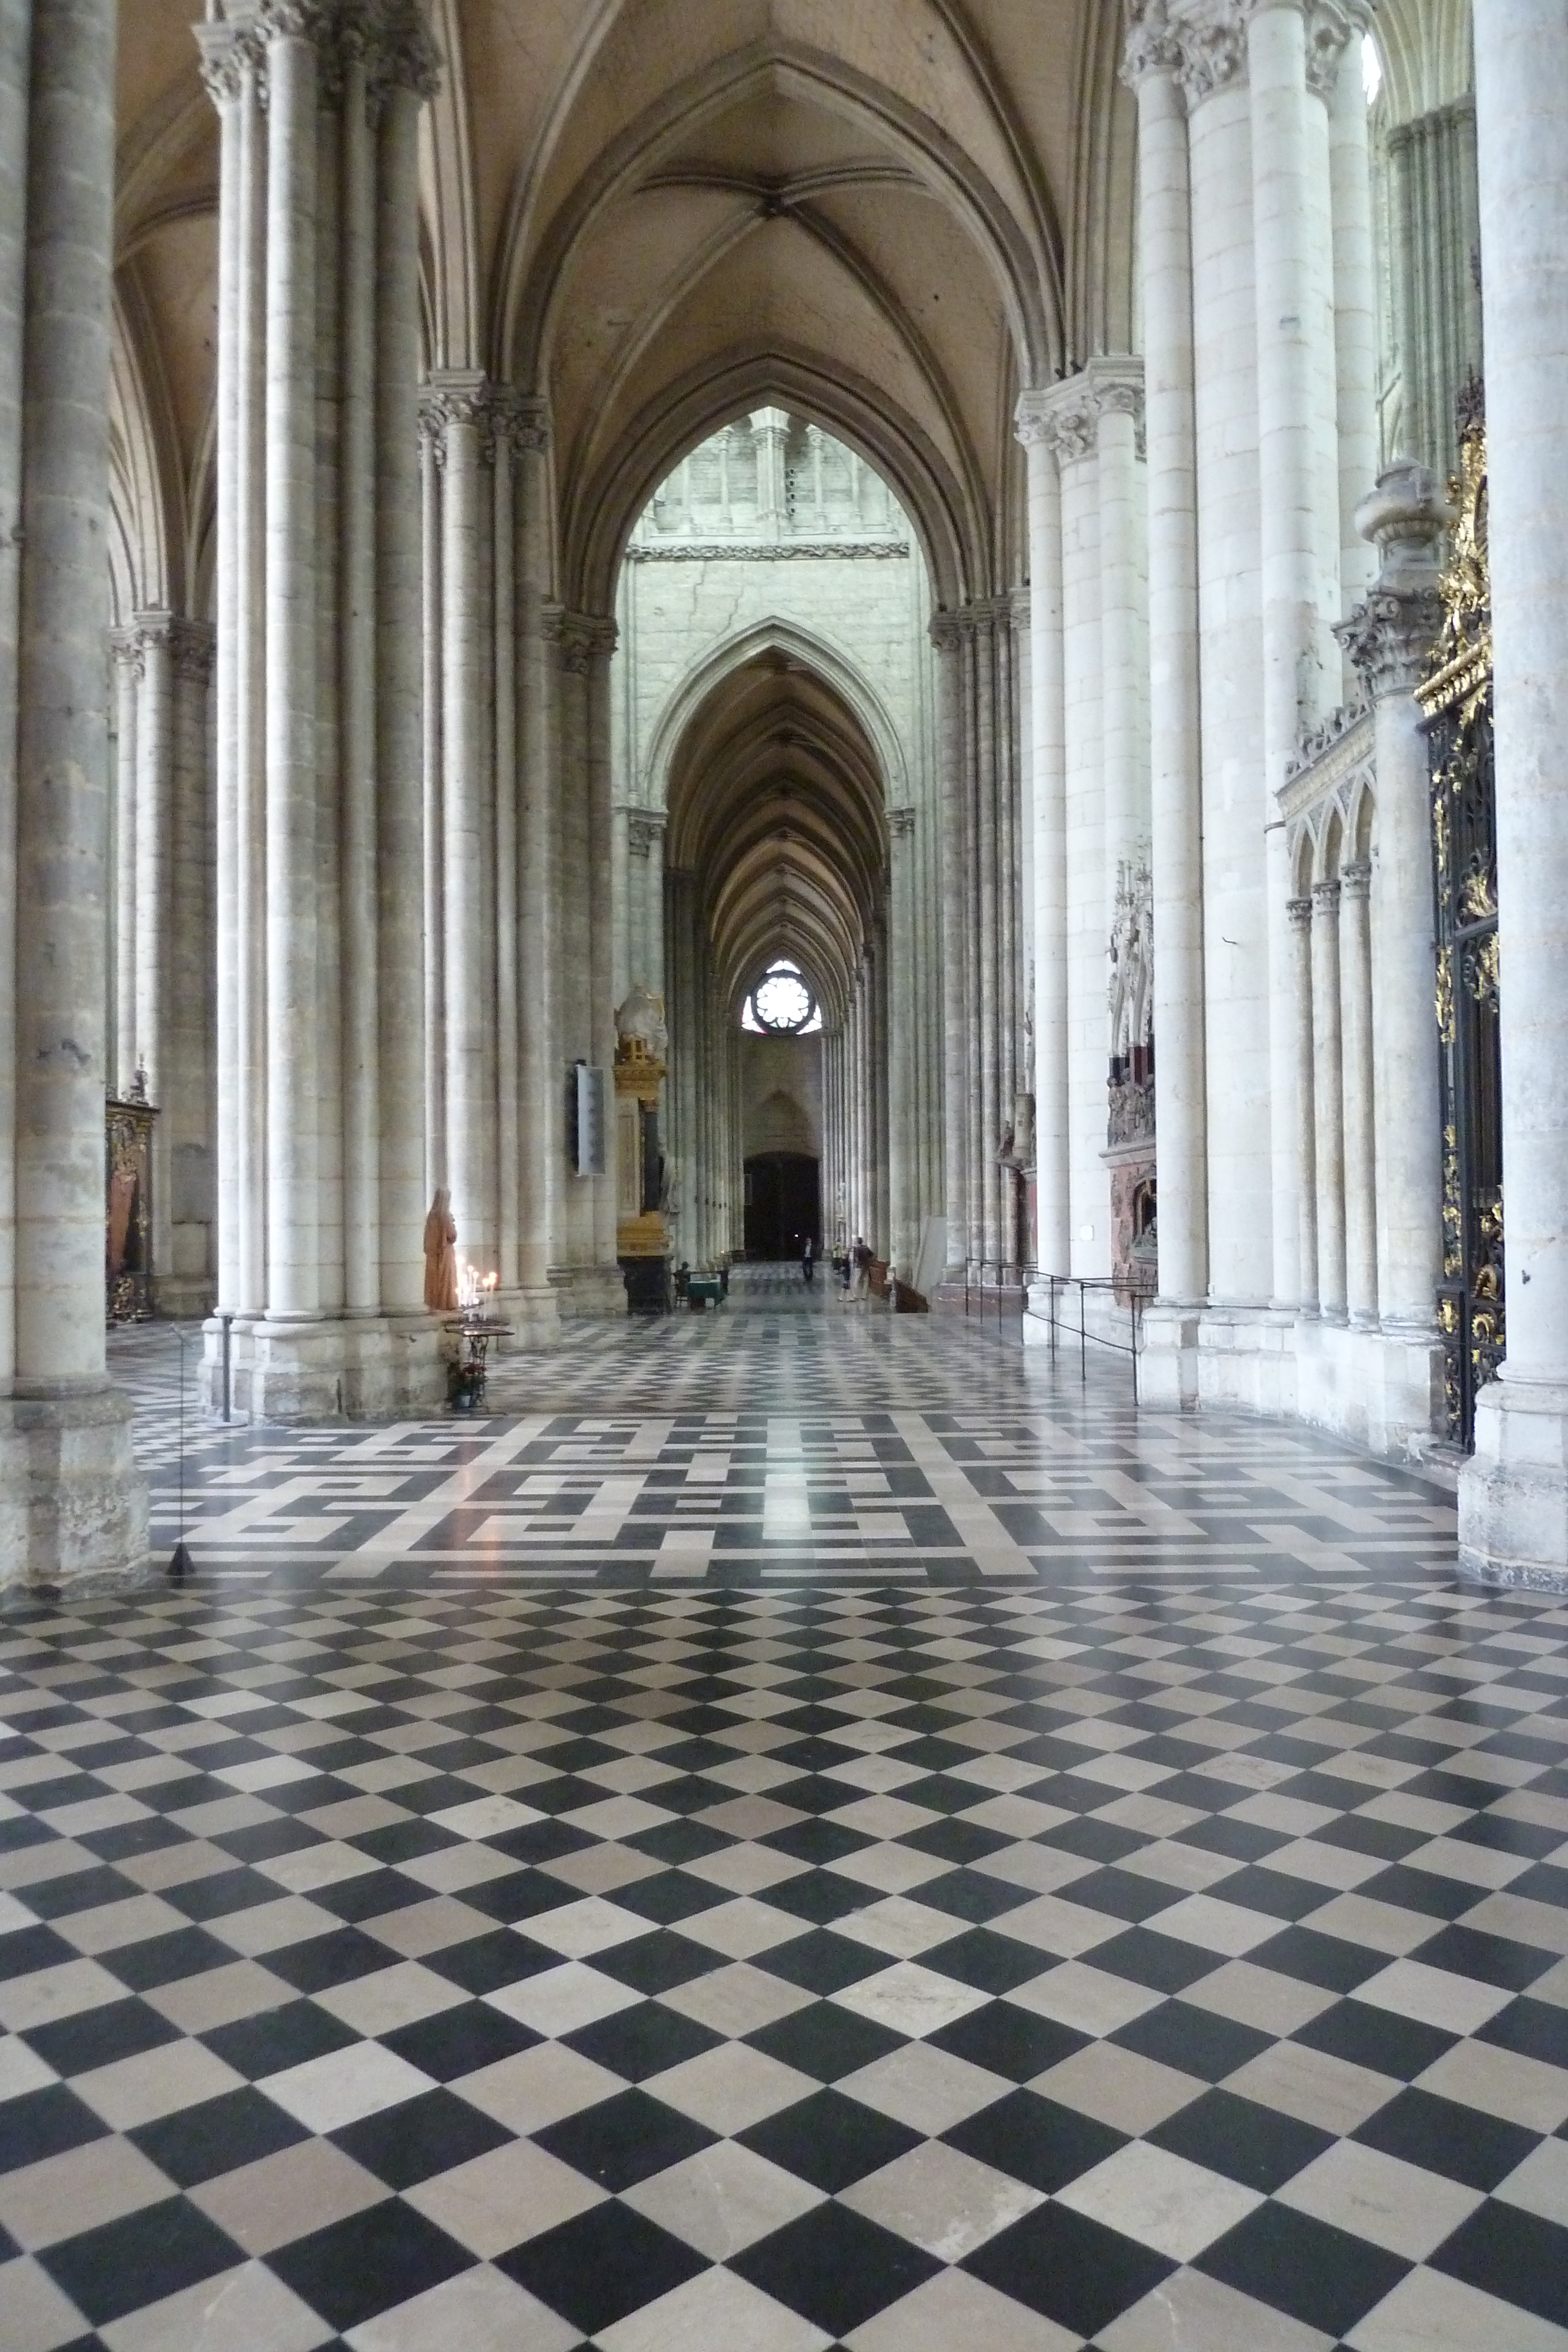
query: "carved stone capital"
125, 650
503, 419
1212, 41
1064, 416
1153, 50
1390, 636
580, 638
1391, 633
645, 831
1355, 879
227, 53
1325, 898
1332, 26
1300, 911
151, 632
901, 823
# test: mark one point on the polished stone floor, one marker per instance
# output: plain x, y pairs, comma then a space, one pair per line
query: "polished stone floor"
795, 1831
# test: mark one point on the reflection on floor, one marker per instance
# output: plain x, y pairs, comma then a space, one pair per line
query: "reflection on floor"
592, 1879
787, 1435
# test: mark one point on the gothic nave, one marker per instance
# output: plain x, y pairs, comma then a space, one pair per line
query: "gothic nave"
783, 1177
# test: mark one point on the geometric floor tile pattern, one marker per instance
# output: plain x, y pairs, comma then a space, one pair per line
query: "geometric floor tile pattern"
788, 1437
1141, 1962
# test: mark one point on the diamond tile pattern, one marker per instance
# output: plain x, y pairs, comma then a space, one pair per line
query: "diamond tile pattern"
1108, 1959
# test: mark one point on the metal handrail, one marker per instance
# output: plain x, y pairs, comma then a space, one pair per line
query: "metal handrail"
1125, 1293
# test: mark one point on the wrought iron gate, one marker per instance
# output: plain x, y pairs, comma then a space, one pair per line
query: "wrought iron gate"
1456, 696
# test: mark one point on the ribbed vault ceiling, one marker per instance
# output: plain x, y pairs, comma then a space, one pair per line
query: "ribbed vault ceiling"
776, 809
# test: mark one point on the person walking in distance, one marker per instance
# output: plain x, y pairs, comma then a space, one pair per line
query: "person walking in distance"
861, 1259
807, 1263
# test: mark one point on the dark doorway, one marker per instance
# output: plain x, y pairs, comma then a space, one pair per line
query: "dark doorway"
783, 1204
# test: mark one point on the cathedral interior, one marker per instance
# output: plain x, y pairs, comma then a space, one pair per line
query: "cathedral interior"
783, 1175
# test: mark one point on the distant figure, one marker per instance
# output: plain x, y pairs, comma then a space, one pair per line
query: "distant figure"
861, 1258
441, 1256
808, 1263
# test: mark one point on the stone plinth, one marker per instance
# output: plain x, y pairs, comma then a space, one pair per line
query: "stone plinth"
73, 1508
377, 1367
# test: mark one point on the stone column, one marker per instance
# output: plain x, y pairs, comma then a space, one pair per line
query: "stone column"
904, 951
1328, 1100
946, 637
185, 1285
431, 451
72, 1504
228, 85
1360, 1123
361, 1058
1304, 1072
540, 1172
293, 1208
1389, 638
320, 1042
1236, 803
126, 653
155, 902
404, 1181
15, 27
247, 482
1355, 297
610, 1289
1175, 787
1052, 1200
465, 877
1076, 427
985, 1123
1124, 616
1513, 1497
1290, 210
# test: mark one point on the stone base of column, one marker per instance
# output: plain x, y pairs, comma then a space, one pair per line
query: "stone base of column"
73, 1505
1383, 1390
1246, 1358
377, 1367
183, 1298
1513, 1495
1168, 1378
533, 1312
589, 1293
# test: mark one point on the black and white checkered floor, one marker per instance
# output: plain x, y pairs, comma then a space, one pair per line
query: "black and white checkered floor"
1163, 1949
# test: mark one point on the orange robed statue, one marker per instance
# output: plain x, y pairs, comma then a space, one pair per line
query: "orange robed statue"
441, 1256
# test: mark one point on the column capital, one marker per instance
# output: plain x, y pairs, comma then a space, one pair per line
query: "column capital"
1065, 416
1325, 896
1391, 633
1211, 38
901, 823
1355, 879
1153, 50
1332, 26
1300, 911
152, 632
506, 420
227, 53
981, 615
1116, 388
645, 831
126, 650
582, 638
